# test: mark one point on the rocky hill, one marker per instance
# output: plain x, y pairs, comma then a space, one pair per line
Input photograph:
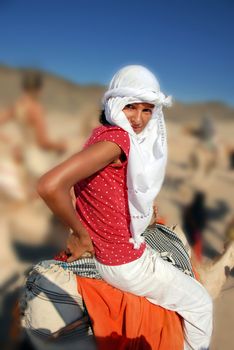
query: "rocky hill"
64, 96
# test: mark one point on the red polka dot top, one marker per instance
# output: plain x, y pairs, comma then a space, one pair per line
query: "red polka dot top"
102, 203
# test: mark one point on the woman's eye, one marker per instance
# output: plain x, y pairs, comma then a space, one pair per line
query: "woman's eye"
130, 106
148, 110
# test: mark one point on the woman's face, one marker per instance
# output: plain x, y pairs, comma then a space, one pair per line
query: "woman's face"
138, 115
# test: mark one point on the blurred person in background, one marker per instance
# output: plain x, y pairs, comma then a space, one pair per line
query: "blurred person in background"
30, 150
194, 221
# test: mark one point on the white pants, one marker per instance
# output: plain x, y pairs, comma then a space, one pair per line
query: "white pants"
163, 284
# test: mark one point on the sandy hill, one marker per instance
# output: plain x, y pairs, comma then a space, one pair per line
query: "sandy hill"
64, 96
58, 93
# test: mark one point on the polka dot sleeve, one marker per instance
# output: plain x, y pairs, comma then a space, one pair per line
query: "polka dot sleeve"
112, 134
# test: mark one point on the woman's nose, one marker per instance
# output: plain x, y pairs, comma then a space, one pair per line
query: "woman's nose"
136, 118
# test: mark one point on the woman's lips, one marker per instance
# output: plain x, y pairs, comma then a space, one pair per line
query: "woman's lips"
136, 128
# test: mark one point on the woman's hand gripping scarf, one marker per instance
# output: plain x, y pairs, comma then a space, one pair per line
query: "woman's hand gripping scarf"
148, 150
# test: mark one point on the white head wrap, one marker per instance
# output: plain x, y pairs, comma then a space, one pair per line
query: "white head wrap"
148, 150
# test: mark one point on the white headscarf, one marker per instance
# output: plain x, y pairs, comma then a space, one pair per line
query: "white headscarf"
148, 150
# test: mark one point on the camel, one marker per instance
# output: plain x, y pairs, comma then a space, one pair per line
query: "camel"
212, 275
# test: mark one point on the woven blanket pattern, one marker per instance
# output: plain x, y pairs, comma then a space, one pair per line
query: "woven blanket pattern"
158, 237
168, 244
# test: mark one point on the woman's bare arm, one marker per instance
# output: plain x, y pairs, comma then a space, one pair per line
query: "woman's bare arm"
54, 187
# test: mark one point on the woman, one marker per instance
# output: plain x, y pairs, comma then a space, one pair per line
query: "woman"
116, 178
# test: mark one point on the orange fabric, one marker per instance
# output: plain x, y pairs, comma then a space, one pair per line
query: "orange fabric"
161, 220
123, 321
198, 249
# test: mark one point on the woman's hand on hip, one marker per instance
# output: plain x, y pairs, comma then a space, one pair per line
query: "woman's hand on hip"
78, 246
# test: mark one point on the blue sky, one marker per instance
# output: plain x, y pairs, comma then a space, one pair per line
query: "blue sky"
187, 43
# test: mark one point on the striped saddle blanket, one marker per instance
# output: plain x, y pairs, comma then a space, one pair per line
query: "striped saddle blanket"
50, 300
159, 237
